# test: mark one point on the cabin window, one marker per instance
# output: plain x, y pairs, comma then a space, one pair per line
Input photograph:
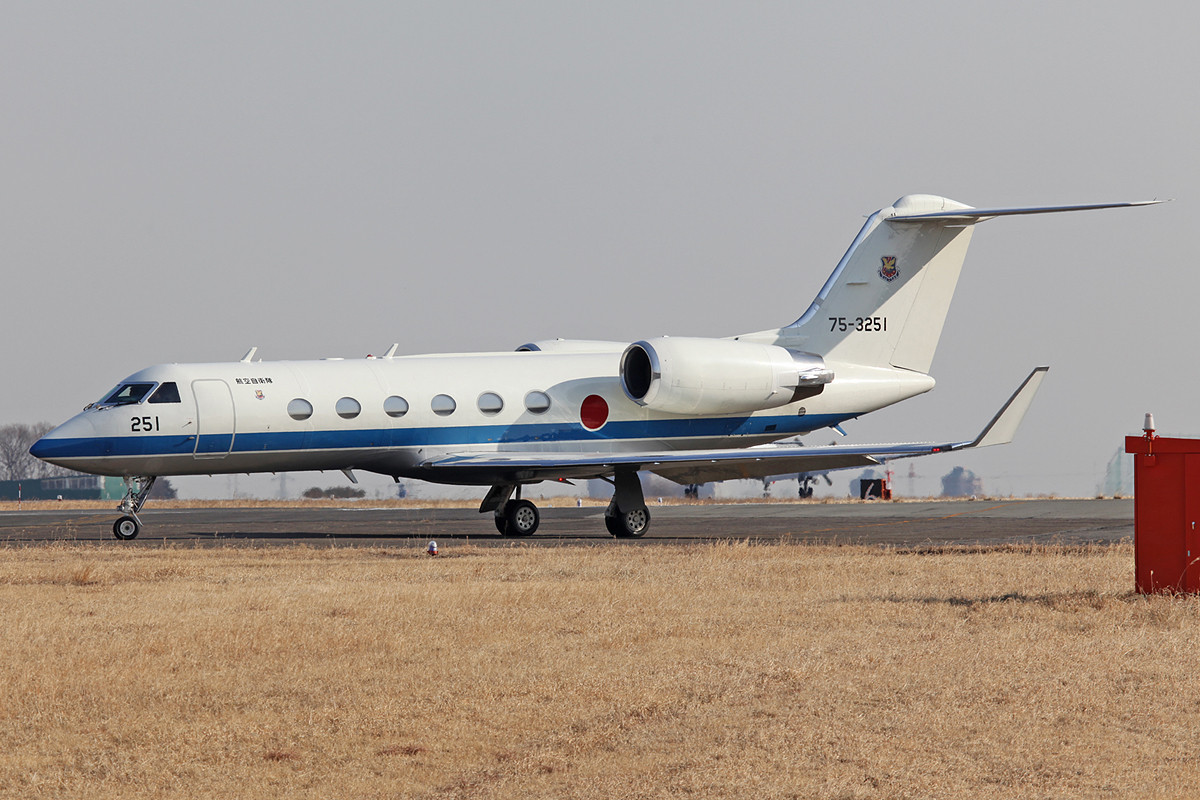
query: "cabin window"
167, 393
128, 393
443, 405
347, 408
395, 406
490, 403
537, 402
300, 409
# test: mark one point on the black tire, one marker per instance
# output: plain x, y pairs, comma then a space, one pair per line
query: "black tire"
126, 528
522, 517
629, 524
501, 524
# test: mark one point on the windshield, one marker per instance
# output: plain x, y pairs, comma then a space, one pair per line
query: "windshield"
128, 393
166, 393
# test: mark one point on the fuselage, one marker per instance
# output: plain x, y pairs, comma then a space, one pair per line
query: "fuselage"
395, 416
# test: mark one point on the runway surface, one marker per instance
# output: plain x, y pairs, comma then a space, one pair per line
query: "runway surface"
979, 522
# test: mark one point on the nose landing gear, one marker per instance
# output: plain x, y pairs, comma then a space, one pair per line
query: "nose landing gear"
137, 489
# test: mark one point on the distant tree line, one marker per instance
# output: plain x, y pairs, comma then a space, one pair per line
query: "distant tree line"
337, 492
15, 462
163, 490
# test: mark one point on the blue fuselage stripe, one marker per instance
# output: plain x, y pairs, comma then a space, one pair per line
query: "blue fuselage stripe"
463, 436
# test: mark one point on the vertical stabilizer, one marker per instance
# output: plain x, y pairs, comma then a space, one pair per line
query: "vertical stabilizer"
886, 302
887, 299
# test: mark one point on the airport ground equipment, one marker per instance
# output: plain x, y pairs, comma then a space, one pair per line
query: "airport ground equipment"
1166, 509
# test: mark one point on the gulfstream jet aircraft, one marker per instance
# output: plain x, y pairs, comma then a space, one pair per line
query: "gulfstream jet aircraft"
692, 410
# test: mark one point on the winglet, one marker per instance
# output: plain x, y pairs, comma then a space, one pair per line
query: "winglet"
1004, 425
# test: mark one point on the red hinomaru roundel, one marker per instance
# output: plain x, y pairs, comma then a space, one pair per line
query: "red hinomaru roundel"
593, 413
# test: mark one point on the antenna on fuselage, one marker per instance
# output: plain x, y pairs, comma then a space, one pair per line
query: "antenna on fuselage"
249, 354
391, 351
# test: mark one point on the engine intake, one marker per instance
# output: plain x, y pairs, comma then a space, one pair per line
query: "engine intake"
718, 376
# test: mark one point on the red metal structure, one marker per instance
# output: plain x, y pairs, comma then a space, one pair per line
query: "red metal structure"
1166, 508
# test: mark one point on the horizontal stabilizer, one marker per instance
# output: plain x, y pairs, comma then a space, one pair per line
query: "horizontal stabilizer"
979, 214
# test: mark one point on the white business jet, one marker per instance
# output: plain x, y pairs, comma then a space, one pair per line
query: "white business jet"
690, 409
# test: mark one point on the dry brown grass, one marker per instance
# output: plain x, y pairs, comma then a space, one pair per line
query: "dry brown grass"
615, 672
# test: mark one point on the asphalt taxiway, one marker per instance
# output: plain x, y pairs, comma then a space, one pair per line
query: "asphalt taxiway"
907, 524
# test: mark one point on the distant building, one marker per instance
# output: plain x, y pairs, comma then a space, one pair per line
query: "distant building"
1118, 475
73, 487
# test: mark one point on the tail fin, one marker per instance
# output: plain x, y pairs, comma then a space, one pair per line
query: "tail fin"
887, 299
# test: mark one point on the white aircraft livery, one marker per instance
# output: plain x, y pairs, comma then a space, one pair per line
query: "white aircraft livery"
690, 409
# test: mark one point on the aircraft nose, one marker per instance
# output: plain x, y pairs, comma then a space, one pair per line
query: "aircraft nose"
64, 441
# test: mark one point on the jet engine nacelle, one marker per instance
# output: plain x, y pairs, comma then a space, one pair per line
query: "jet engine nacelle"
718, 376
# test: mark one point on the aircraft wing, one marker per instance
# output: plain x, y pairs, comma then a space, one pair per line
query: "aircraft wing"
702, 466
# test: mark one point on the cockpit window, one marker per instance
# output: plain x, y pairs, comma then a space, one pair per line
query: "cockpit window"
166, 393
128, 393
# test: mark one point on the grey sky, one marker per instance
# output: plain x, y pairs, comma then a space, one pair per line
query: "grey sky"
183, 182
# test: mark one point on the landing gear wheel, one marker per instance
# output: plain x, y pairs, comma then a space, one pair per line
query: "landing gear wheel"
137, 489
126, 528
522, 517
628, 524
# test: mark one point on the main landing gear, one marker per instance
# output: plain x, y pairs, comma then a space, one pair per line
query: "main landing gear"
514, 517
628, 525
137, 489
626, 516
519, 518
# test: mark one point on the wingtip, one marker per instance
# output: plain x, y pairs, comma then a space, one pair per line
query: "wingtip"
1003, 426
